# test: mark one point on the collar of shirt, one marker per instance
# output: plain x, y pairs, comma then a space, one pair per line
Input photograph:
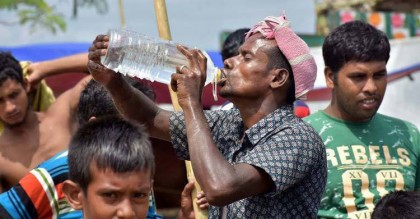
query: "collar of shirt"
276, 120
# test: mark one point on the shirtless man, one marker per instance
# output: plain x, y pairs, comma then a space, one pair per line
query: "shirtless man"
31, 137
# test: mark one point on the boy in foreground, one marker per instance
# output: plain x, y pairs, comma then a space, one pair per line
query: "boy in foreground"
40, 191
111, 167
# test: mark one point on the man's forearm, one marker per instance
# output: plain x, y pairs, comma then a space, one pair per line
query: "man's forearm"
74, 63
135, 105
11, 172
211, 169
221, 181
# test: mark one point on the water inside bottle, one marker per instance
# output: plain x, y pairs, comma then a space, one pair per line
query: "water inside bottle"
113, 58
148, 58
151, 61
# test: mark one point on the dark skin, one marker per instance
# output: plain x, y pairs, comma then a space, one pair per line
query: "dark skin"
358, 90
30, 137
247, 81
187, 210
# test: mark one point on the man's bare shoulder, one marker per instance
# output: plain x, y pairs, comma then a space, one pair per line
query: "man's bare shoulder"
65, 107
58, 114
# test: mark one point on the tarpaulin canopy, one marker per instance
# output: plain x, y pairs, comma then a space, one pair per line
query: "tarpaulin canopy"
41, 52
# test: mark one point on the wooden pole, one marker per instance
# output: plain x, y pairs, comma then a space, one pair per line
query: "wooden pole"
165, 33
122, 16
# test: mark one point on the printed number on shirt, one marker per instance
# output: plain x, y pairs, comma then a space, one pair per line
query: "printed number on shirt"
350, 177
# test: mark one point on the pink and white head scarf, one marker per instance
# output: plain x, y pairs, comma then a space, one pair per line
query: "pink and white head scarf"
293, 48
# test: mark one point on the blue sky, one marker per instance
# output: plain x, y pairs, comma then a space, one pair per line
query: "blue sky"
192, 22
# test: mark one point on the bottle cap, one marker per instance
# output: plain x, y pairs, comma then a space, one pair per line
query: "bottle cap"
218, 74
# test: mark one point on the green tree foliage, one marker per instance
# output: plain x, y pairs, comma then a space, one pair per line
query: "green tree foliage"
39, 14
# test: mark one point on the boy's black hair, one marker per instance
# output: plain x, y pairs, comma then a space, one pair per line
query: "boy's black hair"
96, 101
354, 41
398, 205
109, 143
232, 43
10, 68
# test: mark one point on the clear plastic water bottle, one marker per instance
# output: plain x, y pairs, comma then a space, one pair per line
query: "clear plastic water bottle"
137, 55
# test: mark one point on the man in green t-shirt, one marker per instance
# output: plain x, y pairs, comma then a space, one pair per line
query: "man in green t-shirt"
368, 154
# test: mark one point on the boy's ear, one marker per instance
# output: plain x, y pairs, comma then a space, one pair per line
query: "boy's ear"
74, 194
329, 77
280, 77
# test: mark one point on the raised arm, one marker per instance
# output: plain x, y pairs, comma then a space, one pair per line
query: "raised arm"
63, 112
68, 64
132, 104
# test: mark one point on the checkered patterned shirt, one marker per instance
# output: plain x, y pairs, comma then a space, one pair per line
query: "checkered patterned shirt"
285, 147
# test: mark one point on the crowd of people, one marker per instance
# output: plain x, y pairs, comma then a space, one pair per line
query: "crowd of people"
87, 153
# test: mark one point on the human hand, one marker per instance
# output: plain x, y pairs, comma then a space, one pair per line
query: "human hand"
35, 75
202, 202
99, 72
188, 82
187, 209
